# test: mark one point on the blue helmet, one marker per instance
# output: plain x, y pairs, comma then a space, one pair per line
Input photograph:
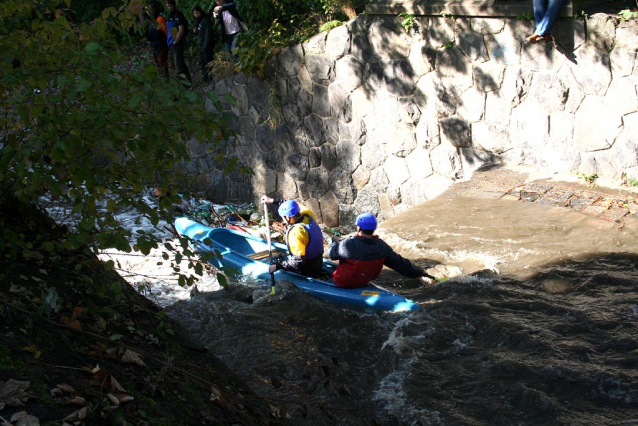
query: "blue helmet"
289, 208
366, 221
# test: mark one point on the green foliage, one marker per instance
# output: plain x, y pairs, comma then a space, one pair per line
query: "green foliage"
525, 16
448, 15
632, 182
78, 128
627, 14
330, 25
407, 22
582, 15
589, 178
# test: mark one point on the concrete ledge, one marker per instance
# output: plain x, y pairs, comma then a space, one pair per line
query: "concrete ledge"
482, 8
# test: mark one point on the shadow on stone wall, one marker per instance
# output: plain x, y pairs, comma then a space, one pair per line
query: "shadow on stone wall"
374, 117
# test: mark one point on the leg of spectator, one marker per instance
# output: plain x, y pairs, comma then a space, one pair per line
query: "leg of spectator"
543, 26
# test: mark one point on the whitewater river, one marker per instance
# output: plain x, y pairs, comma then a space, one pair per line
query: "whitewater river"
539, 330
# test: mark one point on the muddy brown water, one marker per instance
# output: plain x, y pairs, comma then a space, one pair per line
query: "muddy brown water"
539, 330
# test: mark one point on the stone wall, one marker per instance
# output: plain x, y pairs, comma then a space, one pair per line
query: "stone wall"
371, 117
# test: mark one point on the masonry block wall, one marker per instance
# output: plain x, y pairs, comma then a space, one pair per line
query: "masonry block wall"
373, 117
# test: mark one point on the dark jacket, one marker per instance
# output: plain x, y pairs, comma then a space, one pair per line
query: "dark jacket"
206, 37
361, 260
174, 20
230, 8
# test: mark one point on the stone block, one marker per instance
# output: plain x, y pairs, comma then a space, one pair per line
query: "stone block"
316, 45
421, 58
241, 96
320, 103
439, 33
453, 65
339, 102
342, 186
488, 25
622, 95
315, 207
434, 186
408, 110
542, 57
329, 205
399, 77
446, 162
473, 159
290, 60
338, 42
413, 192
488, 77
548, 92
387, 40
314, 157
328, 156
378, 180
264, 138
360, 177
418, 164
348, 155
317, 182
473, 46
592, 70
349, 73
360, 48
622, 62
602, 31
320, 68
297, 166
596, 125
396, 170
367, 201
304, 79
386, 207
472, 105
503, 48
347, 216
361, 103
627, 36
455, 131
287, 187
529, 126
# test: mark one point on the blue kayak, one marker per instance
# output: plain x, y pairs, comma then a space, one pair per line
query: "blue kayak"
248, 255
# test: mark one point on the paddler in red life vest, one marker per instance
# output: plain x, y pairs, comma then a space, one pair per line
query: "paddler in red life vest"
303, 238
362, 256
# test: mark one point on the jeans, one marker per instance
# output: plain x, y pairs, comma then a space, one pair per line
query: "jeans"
177, 52
205, 57
230, 43
545, 11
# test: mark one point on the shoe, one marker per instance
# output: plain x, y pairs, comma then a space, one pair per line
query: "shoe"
534, 38
546, 38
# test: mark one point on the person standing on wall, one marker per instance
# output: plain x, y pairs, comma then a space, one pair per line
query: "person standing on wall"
177, 29
231, 23
545, 11
363, 256
206, 38
303, 238
156, 34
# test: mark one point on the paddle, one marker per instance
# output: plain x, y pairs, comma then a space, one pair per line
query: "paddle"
272, 276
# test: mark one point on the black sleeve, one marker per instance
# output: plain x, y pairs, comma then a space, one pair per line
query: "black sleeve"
209, 33
292, 263
402, 265
333, 251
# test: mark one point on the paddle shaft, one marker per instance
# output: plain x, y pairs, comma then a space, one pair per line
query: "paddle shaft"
272, 276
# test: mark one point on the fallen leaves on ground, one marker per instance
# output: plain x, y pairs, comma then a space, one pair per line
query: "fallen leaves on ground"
13, 393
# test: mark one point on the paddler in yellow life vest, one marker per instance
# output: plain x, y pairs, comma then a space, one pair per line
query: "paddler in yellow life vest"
303, 238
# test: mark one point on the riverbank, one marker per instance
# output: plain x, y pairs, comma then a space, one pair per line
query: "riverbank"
600, 199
